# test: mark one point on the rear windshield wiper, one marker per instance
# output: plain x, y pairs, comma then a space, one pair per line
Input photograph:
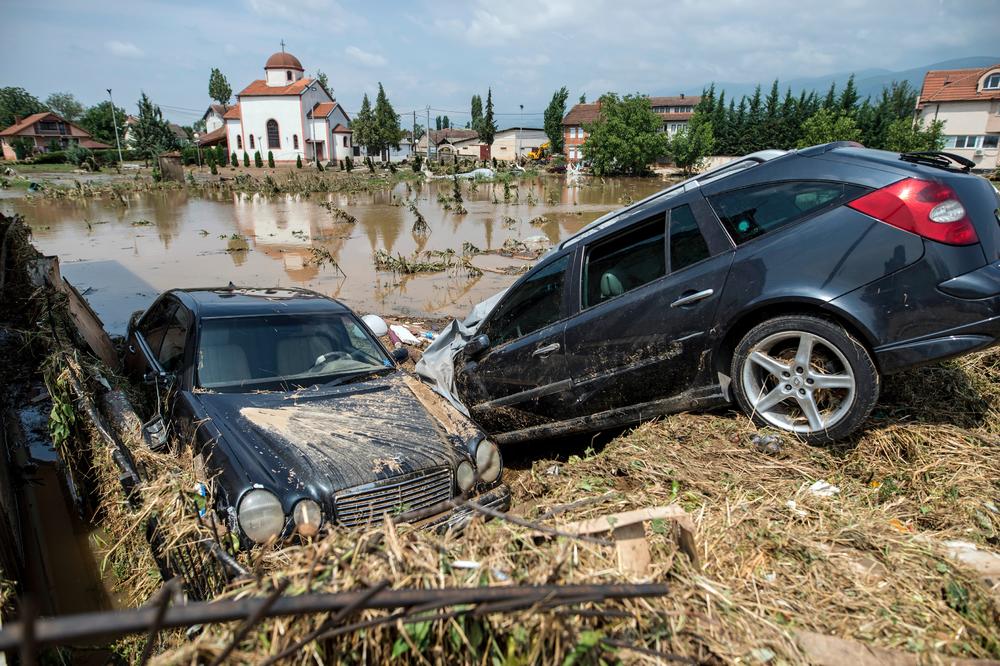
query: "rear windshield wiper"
939, 159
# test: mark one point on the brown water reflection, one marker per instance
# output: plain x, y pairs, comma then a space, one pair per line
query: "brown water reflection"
253, 240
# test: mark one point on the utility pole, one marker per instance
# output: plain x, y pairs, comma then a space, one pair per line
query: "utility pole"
413, 136
517, 143
114, 120
428, 134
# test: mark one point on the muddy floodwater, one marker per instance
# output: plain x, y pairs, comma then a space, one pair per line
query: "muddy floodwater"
122, 255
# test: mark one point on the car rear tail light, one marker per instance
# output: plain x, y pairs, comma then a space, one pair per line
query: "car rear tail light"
928, 209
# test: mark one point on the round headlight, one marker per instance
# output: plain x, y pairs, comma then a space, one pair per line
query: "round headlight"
488, 461
465, 476
308, 517
260, 515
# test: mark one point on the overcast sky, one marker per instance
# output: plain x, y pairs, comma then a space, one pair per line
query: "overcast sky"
439, 53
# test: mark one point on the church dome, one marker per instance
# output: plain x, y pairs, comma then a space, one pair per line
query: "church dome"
282, 60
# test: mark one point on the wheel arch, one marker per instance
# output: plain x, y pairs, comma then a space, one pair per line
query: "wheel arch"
741, 324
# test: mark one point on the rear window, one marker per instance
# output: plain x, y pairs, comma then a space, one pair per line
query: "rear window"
752, 212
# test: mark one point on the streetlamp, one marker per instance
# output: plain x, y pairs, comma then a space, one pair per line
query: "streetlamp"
114, 120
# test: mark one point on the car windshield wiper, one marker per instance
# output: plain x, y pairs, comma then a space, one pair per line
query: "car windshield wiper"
344, 379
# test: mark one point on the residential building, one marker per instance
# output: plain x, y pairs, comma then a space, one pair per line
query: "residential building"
213, 117
443, 140
967, 101
675, 112
129, 135
507, 144
46, 131
289, 115
405, 151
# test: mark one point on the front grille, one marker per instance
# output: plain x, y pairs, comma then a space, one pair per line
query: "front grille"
365, 505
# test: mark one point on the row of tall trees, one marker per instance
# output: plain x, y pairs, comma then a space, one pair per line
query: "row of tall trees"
377, 129
787, 121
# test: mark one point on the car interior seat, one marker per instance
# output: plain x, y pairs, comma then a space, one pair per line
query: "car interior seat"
611, 286
221, 361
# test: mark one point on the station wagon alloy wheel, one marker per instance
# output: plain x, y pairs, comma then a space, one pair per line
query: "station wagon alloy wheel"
798, 381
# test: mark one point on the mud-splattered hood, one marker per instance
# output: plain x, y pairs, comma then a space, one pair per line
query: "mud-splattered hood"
315, 442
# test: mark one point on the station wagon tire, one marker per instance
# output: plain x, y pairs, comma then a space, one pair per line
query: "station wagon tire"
804, 375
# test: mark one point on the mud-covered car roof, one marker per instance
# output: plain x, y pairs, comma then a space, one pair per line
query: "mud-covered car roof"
244, 301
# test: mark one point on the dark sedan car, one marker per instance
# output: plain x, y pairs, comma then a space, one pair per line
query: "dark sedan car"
788, 282
297, 415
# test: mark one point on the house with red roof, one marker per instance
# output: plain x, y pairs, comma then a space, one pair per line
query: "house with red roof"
675, 112
45, 131
967, 101
289, 115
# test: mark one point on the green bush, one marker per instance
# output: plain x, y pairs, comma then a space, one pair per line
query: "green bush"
23, 147
78, 155
257, 160
52, 157
298, 161
349, 163
211, 163
270, 159
189, 155
235, 161
220, 154
246, 159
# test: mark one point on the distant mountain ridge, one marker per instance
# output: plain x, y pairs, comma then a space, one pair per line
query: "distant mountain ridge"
869, 82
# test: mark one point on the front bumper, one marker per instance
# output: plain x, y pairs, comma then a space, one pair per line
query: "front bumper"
497, 498
939, 346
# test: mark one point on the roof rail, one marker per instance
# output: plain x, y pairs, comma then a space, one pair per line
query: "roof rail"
827, 147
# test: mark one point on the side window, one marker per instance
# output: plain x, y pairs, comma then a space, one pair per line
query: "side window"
687, 245
154, 324
171, 352
624, 262
754, 211
536, 303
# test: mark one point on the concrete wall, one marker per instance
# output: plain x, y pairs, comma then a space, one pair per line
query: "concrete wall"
287, 111
279, 77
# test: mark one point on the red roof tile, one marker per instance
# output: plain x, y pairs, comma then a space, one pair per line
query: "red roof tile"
340, 129
232, 113
323, 109
582, 114
25, 123
260, 87
213, 137
91, 143
956, 85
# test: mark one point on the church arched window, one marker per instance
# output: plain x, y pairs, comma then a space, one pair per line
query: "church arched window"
288, 75
273, 137
295, 141
251, 142
239, 142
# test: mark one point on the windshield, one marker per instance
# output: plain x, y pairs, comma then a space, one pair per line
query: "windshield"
284, 351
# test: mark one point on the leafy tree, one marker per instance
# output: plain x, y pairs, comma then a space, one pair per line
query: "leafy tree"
476, 112
234, 160
418, 132
246, 159
23, 147
198, 126
364, 125
848, 99
627, 137
554, 113
906, 136
388, 133
445, 122
690, 146
258, 161
828, 125
830, 101
437, 123
66, 105
151, 134
324, 80
219, 88
17, 102
488, 130
270, 159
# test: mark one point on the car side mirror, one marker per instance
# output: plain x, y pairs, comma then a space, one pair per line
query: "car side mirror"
401, 355
476, 346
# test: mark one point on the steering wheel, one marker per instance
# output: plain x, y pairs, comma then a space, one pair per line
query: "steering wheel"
322, 360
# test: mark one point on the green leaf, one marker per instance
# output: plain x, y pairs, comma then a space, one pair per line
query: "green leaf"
399, 647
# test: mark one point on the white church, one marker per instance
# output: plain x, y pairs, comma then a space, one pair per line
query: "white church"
288, 114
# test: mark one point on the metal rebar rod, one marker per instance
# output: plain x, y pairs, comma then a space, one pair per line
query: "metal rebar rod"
161, 605
252, 621
88, 626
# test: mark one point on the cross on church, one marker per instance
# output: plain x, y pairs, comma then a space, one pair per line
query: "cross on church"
282, 45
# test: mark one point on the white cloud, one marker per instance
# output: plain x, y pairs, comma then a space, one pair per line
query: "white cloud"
364, 57
123, 49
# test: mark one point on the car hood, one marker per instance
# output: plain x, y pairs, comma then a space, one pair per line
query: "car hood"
318, 441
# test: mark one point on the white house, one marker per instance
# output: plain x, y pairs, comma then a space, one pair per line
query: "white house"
289, 115
967, 101
213, 117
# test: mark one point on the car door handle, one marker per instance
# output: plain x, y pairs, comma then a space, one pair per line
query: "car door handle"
546, 350
692, 298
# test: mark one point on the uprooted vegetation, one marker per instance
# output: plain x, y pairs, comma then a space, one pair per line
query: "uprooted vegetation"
777, 564
429, 261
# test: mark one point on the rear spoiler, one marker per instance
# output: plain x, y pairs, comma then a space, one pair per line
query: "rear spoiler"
939, 159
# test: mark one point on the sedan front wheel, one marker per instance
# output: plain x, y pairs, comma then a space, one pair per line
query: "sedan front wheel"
805, 375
